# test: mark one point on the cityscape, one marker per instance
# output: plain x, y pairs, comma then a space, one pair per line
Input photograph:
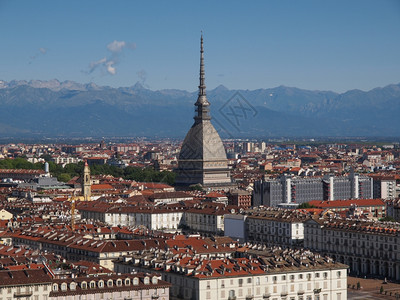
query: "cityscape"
152, 191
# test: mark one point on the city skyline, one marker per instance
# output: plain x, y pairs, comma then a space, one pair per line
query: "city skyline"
335, 46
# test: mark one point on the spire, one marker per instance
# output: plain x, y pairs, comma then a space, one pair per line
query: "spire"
202, 86
202, 102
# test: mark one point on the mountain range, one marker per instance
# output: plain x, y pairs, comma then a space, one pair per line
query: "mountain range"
69, 109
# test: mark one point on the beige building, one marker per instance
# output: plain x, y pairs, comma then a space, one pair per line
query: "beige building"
265, 274
369, 248
5, 215
25, 284
116, 287
266, 225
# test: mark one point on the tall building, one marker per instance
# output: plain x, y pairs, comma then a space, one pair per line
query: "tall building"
202, 159
86, 183
287, 189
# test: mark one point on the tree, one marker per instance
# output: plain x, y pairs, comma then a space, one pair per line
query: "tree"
64, 177
46, 157
387, 219
306, 205
381, 290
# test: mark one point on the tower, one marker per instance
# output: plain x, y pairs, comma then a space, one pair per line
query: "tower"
86, 183
202, 159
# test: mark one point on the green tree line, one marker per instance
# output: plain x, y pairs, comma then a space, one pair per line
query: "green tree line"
71, 170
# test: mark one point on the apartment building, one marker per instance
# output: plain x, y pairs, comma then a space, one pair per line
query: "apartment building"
137, 286
288, 189
268, 273
25, 284
270, 226
41, 284
369, 248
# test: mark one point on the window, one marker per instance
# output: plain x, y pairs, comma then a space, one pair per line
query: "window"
63, 286
291, 277
248, 280
316, 275
135, 281
72, 286
92, 284
325, 275
240, 282
109, 283
274, 279
300, 276
338, 274
101, 284
154, 280
119, 282
55, 287
83, 285
283, 277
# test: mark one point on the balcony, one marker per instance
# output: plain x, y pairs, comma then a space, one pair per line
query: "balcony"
249, 297
317, 291
155, 296
266, 296
23, 294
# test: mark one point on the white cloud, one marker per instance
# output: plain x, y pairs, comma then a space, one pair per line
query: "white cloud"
110, 67
116, 46
94, 64
108, 63
43, 50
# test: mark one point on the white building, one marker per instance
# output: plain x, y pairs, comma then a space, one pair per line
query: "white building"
266, 274
271, 226
369, 248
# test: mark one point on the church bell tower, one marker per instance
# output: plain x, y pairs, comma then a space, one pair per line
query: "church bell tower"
86, 183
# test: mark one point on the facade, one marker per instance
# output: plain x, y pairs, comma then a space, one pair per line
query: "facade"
202, 159
40, 284
393, 209
25, 284
76, 247
384, 187
369, 248
239, 198
206, 218
287, 189
5, 215
118, 287
372, 208
260, 274
153, 218
272, 227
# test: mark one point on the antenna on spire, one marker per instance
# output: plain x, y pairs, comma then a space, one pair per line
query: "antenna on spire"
202, 86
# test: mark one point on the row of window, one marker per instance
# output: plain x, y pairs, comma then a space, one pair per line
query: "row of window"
275, 278
101, 283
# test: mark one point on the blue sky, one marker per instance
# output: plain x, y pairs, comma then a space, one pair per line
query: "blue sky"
319, 45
